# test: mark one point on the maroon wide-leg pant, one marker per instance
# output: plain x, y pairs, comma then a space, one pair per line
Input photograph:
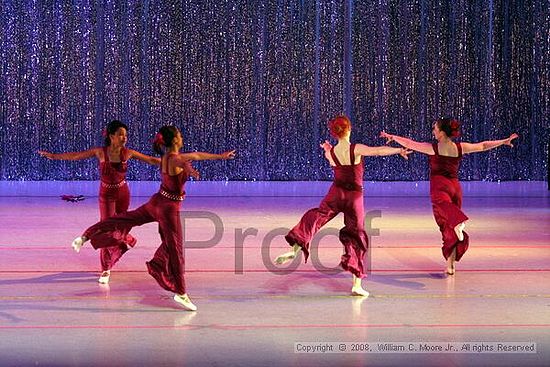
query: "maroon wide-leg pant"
111, 202
353, 235
446, 196
167, 265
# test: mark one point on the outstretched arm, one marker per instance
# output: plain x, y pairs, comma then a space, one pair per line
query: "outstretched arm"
71, 156
487, 145
203, 156
425, 148
368, 151
145, 158
183, 160
381, 151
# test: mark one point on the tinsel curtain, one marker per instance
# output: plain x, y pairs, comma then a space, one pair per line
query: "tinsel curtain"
264, 77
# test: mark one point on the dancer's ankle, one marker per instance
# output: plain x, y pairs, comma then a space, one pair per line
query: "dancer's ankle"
450, 270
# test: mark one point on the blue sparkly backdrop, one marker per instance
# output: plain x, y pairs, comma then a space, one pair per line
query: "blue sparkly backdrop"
265, 76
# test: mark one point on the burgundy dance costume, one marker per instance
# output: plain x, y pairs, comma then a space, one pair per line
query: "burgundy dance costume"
167, 265
114, 198
446, 196
344, 196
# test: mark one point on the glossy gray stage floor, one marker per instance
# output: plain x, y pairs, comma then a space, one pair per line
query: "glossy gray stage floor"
54, 313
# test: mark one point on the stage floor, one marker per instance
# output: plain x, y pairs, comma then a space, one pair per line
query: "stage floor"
54, 313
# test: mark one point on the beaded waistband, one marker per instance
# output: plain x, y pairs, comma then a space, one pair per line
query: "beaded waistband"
171, 196
113, 186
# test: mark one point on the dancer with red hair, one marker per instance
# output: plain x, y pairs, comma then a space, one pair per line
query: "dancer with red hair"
445, 189
114, 194
344, 196
167, 265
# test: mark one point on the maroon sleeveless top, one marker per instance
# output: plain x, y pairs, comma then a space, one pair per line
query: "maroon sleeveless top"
441, 165
113, 173
348, 176
174, 184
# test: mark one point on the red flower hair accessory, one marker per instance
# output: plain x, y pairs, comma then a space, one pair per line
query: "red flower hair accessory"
455, 128
159, 140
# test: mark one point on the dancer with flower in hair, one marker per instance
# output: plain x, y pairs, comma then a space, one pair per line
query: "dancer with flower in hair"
114, 194
168, 263
344, 196
445, 189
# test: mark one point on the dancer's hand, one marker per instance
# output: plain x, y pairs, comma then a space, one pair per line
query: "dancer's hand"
195, 174
230, 154
509, 140
326, 146
45, 154
387, 136
405, 152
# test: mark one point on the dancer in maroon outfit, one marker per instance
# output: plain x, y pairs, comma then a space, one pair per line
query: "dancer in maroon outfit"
344, 196
167, 265
445, 190
114, 194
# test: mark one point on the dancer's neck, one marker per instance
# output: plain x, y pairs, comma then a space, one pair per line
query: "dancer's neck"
344, 140
114, 149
